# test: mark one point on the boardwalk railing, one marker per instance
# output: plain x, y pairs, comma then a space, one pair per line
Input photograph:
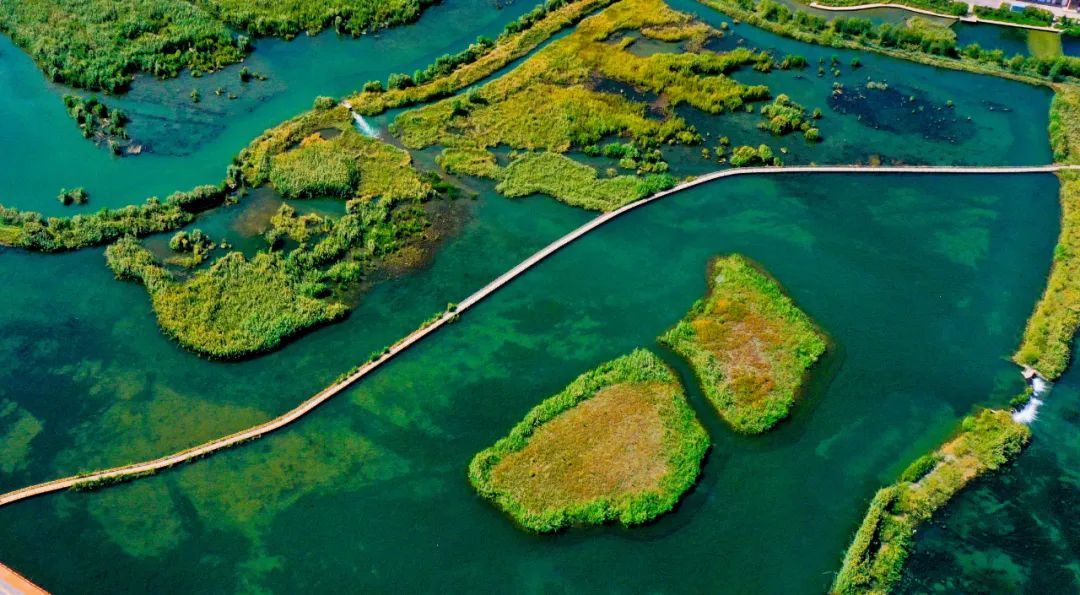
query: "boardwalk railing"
135, 470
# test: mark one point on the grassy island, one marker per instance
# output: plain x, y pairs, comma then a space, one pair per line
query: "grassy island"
239, 306
234, 308
102, 44
1047, 341
986, 441
619, 443
749, 345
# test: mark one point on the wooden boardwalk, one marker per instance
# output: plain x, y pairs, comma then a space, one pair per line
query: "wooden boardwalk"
13, 583
126, 472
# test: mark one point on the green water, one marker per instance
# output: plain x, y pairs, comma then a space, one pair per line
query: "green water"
923, 283
1015, 531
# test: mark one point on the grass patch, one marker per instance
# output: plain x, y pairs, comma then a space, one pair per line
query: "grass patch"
101, 44
1046, 345
316, 169
552, 102
1031, 15
1044, 44
749, 345
575, 184
619, 443
874, 560
235, 308
1047, 340
286, 18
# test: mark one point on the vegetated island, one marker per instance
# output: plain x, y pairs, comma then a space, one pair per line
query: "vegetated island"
873, 563
619, 443
551, 104
240, 306
102, 44
1047, 341
749, 345
101, 124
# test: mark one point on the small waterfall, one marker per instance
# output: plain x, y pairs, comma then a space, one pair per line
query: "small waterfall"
1030, 411
363, 127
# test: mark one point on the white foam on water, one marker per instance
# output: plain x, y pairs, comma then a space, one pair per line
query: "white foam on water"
1030, 411
363, 127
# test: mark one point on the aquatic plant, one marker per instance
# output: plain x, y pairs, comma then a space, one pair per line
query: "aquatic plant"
619, 443
874, 560
748, 344
234, 308
96, 121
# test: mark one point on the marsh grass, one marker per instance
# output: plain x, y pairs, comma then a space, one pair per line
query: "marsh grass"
575, 184
235, 308
874, 560
748, 344
619, 443
1047, 340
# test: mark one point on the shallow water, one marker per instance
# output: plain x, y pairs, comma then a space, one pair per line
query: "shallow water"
914, 278
1015, 531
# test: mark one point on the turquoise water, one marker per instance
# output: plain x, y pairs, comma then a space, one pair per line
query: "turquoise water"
923, 283
1015, 531
191, 143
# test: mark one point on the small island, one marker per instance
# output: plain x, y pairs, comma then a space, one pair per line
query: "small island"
749, 345
620, 443
986, 441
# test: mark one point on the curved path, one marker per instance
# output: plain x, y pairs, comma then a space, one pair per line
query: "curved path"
118, 474
967, 18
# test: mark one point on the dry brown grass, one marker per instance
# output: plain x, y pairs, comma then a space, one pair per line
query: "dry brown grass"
748, 344
610, 444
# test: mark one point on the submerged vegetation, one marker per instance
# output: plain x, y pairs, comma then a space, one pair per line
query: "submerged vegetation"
1047, 340
619, 443
748, 344
986, 441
